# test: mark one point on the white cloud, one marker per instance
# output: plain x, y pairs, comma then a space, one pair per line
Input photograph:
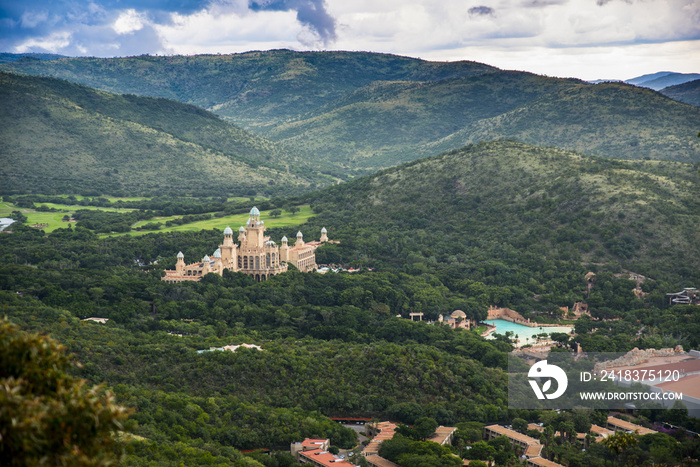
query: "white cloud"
128, 22
52, 43
585, 38
229, 31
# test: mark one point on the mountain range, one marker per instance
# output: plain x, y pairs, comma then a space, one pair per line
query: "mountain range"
351, 113
63, 137
662, 79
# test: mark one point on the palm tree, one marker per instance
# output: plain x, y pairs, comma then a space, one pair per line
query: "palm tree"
620, 442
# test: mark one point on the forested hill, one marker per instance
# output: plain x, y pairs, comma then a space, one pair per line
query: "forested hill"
510, 214
606, 120
62, 137
687, 92
359, 112
255, 88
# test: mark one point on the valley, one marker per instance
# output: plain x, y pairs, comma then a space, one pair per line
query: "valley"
449, 189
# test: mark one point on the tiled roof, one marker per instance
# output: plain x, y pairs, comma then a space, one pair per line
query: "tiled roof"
501, 430
629, 426
325, 458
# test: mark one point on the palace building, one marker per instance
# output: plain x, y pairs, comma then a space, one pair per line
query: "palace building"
256, 255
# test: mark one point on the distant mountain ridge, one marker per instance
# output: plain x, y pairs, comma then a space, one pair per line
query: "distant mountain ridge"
662, 79
687, 92
63, 137
351, 113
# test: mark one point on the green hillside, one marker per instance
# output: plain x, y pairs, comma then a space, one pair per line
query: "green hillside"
606, 120
385, 123
512, 214
686, 92
254, 89
351, 113
62, 137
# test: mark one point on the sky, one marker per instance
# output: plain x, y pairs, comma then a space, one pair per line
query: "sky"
587, 39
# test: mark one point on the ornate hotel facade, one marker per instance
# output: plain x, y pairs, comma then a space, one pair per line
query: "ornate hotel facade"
257, 255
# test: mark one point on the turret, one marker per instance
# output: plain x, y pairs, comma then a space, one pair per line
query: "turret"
180, 265
228, 237
217, 261
241, 234
300, 240
284, 250
324, 235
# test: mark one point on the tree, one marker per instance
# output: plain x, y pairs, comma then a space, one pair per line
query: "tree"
46, 415
520, 425
276, 212
424, 427
619, 443
293, 209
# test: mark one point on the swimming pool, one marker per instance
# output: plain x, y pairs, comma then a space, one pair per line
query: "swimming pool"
524, 333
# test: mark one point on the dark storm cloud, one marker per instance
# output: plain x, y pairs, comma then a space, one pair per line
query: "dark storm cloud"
481, 11
311, 13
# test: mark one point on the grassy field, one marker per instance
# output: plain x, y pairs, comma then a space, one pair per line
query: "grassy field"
6, 209
74, 207
235, 221
54, 219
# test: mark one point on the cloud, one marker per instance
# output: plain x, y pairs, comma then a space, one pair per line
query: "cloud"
448, 29
310, 13
481, 11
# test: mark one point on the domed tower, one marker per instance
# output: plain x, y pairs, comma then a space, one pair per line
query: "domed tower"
228, 250
324, 235
300, 240
255, 214
241, 234
228, 236
255, 231
206, 265
180, 265
284, 250
218, 267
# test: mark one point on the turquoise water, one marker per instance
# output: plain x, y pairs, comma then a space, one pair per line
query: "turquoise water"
524, 333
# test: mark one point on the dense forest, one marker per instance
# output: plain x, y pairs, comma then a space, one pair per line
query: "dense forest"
493, 224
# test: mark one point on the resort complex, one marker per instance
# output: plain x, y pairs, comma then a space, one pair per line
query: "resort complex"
257, 255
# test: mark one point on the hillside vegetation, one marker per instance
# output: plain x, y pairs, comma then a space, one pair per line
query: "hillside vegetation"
352, 113
62, 137
254, 88
686, 92
495, 210
606, 120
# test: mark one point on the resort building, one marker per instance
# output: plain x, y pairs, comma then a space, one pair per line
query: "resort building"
458, 319
443, 435
255, 255
615, 424
525, 445
315, 452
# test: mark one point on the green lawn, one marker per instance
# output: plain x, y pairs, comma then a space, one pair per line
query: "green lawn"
235, 221
6, 209
54, 219
74, 207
